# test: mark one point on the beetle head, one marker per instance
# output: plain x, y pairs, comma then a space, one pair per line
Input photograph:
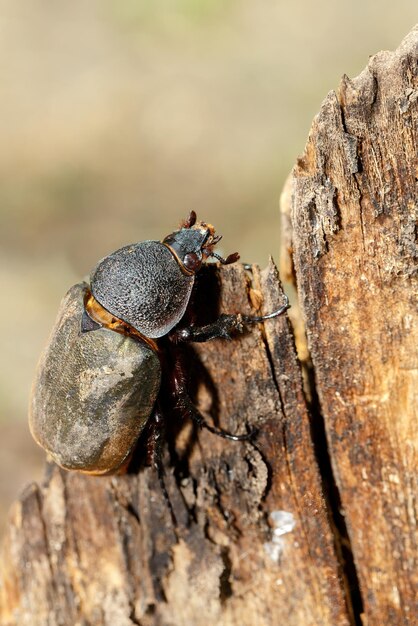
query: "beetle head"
193, 243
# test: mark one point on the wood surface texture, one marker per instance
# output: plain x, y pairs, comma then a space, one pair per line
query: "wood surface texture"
314, 521
354, 238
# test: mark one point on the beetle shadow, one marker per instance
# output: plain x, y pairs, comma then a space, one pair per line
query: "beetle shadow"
203, 309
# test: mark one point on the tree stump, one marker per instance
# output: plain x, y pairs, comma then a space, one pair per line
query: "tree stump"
314, 521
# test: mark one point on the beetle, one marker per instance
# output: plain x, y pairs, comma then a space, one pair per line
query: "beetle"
98, 381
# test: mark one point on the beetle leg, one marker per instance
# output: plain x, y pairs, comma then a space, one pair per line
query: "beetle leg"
155, 436
223, 327
188, 409
253, 319
155, 454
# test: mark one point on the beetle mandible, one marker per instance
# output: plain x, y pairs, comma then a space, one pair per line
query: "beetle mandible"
98, 381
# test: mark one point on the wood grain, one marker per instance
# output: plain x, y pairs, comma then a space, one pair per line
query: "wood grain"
83, 550
354, 240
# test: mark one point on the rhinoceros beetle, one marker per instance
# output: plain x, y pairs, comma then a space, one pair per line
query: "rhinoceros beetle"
98, 381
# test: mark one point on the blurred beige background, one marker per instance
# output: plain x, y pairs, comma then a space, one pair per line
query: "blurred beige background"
118, 117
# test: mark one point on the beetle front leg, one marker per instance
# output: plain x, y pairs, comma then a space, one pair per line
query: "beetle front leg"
223, 327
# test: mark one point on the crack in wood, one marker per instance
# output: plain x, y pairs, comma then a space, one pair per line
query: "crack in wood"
334, 507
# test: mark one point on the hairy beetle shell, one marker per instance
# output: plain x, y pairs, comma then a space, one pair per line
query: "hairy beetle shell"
143, 285
93, 392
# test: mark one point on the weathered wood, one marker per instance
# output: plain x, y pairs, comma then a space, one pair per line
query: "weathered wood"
262, 537
354, 240
83, 550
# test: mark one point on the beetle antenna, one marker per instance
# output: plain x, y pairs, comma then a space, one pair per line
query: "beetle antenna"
231, 258
253, 319
190, 220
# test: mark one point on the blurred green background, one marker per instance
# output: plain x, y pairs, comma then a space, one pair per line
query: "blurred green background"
118, 117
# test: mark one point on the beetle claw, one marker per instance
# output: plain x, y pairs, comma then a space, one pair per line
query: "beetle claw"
254, 319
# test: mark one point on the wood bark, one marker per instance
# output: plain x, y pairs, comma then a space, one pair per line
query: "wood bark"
314, 521
354, 238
